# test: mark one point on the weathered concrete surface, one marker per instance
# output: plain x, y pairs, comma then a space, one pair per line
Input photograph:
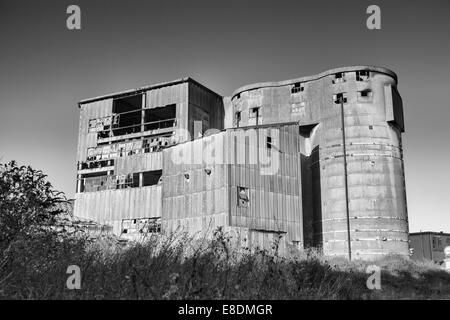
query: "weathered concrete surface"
373, 125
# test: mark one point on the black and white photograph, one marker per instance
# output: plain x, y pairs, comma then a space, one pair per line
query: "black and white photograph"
224, 158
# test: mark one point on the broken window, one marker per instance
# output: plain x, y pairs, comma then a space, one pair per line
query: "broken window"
269, 145
141, 226
127, 116
95, 182
98, 181
98, 157
96, 164
101, 181
135, 180
362, 75
340, 98
254, 112
297, 87
156, 144
237, 117
151, 225
160, 118
91, 154
365, 95
243, 196
269, 142
151, 178
338, 78
124, 181
101, 125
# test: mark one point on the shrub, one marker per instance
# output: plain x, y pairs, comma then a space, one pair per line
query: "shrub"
27, 203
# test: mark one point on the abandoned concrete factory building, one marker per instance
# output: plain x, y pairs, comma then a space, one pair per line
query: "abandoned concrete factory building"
315, 161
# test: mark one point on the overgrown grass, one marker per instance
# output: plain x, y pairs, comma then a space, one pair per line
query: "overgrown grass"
179, 267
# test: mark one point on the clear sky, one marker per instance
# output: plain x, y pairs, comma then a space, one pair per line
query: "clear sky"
45, 69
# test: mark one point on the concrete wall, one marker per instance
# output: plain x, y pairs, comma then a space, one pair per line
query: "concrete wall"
373, 126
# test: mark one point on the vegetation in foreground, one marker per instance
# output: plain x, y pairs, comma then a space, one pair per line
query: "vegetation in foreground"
34, 257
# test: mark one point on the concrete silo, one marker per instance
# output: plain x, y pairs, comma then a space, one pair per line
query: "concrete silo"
366, 203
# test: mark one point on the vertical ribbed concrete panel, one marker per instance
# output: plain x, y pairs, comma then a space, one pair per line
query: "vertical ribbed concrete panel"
373, 120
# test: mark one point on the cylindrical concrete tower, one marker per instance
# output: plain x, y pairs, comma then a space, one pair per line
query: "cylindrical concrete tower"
375, 188
365, 203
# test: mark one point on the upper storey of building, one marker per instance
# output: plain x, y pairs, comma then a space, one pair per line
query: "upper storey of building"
368, 90
147, 118
151, 111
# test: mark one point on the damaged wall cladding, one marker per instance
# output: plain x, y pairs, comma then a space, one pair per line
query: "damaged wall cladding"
233, 190
302, 199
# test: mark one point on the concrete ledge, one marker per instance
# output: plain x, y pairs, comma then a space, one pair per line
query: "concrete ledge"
313, 77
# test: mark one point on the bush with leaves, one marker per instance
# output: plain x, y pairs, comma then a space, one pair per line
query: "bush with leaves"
28, 203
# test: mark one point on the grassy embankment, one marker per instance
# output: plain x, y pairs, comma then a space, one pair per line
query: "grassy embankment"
177, 267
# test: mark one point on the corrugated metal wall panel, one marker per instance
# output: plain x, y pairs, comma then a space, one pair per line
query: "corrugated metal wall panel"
275, 202
112, 205
161, 97
138, 163
89, 111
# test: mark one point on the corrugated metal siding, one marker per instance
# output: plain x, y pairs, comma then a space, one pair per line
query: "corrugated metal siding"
114, 205
161, 97
275, 200
207, 101
110, 206
138, 163
177, 94
197, 203
89, 111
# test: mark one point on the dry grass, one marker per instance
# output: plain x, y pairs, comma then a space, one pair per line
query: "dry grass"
179, 267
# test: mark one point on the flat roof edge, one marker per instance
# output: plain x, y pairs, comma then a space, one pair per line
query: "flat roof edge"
430, 232
146, 88
313, 77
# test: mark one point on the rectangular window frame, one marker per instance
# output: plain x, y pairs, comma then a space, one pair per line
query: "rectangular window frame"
237, 117
297, 88
339, 77
365, 95
362, 75
243, 197
254, 115
338, 95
